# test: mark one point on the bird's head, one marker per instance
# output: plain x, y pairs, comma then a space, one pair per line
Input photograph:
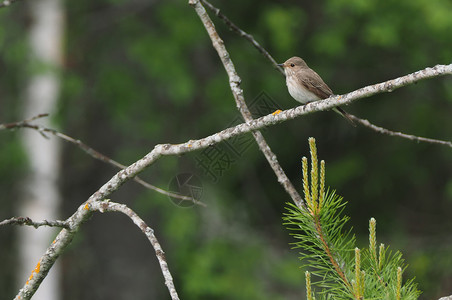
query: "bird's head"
293, 65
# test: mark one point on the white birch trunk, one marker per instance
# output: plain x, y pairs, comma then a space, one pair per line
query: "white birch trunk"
41, 196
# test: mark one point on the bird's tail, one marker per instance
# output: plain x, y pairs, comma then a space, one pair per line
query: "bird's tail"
345, 115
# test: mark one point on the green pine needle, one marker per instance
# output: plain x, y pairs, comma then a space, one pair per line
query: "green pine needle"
328, 249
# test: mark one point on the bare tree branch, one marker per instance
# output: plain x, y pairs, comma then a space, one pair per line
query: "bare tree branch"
103, 206
22, 123
382, 130
30, 222
92, 152
234, 82
83, 213
262, 50
243, 34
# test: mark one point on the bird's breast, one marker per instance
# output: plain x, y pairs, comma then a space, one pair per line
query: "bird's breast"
299, 92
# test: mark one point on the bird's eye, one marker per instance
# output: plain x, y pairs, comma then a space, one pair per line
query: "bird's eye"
292, 65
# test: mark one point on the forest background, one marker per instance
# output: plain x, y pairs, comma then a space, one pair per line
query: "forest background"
139, 73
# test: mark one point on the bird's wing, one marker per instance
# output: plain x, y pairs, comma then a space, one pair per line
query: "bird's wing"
315, 85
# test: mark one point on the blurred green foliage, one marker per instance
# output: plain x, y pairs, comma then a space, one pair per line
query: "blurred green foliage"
138, 73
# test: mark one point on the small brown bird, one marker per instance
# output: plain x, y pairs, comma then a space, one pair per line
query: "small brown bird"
305, 85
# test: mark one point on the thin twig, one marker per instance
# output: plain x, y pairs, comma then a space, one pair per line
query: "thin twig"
382, 130
243, 34
29, 222
106, 205
262, 50
234, 82
92, 152
22, 123
329, 253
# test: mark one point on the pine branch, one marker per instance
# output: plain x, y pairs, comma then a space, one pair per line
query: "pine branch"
329, 251
329, 248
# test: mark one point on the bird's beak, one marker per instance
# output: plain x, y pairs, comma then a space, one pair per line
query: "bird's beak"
280, 65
